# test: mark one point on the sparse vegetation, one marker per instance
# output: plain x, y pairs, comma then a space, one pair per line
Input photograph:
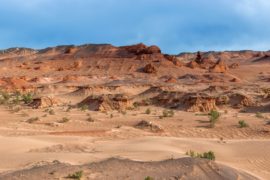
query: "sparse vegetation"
259, 115
148, 111
123, 112
51, 112
90, 119
27, 98
206, 155
148, 178
243, 124
77, 175
33, 119
16, 109
68, 109
64, 120
84, 107
136, 104
213, 117
168, 113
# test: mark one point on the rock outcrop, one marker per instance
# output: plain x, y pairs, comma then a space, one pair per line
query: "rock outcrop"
45, 102
108, 102
220, 67
149, 68
146, 125
199, 103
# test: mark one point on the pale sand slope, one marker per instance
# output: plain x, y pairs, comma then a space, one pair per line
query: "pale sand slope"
19, 152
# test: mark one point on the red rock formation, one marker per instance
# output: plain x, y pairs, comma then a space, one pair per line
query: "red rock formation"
149, 68
193, 65
220, 67
108, 102
45, 102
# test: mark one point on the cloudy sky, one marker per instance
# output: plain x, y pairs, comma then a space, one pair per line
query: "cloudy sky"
174, 25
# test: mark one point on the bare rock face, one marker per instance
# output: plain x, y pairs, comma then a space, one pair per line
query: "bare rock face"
108, 102
193, 64
146, 125
200, 103
241, 100
234, 66
149, 68
77, 64
140, 49
15, 83
174, 60
171, 80
220, 67
45, 102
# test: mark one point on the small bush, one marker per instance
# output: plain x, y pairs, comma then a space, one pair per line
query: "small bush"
32, 120
84, 107
148, 178
111, 116
206, 155
259, 115
51, 112
27, 98
68, 109
77, 175
168, 113
136, 104
213, 117
148, 111
16, 109
242, 124
90, 119
64, 120
123, 112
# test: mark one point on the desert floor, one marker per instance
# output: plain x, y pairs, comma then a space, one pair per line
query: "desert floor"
79, 141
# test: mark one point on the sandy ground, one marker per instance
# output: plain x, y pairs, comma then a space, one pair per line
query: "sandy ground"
248, 155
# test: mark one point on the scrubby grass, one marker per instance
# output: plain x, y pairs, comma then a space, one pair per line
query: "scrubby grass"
64, 120
84, 107
214, 117
90, 119
206, 155
148, 178
27, 98
77, 175
243, 124
15, 98
51, 112
167, 113
148, 111
259, 115
33, 119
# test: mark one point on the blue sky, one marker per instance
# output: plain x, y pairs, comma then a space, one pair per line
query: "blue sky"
174, 25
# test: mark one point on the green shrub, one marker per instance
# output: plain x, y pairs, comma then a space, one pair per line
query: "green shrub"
148, 178
213, 117
90, 119
64, 120
206, 155
148, 111
243, 124
77, 175
259, 115
32, 120
51, 112
168, 113
27, 98
84, 107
